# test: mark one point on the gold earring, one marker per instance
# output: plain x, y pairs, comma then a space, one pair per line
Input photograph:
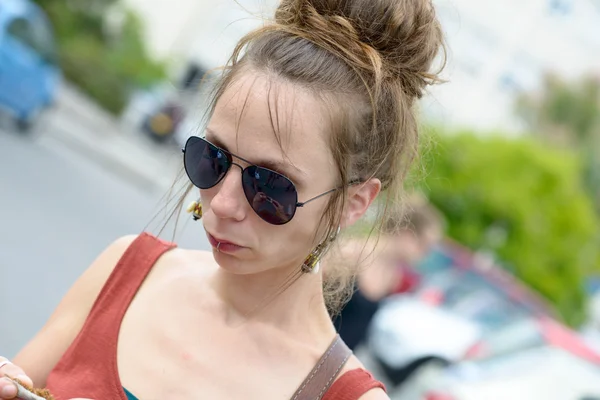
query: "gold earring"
195, 208
312, 264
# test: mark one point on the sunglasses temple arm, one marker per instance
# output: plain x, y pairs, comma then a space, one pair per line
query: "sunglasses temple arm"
315, 198
354, 182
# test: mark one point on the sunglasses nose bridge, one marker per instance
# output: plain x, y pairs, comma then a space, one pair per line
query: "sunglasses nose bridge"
229, 199
237, 165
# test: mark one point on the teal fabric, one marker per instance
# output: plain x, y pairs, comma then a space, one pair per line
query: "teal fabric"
129, 395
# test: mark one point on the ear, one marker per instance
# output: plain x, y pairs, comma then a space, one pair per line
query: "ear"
360, 197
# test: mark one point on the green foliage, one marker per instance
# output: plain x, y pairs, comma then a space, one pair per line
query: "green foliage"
524, 202
84, 64
128, 55
73, 17
107, 68
574, 106
568, 113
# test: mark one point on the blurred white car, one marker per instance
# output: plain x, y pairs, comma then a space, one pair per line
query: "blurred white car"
406, 329
438, 325
530, 360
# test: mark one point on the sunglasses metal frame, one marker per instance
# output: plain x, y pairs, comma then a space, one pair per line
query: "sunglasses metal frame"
250, 164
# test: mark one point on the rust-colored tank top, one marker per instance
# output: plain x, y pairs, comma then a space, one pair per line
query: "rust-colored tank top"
88, 369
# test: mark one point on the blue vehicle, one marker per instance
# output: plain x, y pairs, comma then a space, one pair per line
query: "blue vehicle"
29, 72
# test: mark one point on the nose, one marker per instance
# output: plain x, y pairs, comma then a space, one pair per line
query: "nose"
230, 201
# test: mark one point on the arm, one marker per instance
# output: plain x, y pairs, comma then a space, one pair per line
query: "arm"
44, 351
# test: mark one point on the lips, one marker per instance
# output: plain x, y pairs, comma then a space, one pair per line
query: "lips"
223, 245
223, 241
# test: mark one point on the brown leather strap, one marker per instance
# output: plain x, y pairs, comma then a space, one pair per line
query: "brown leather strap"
324, 373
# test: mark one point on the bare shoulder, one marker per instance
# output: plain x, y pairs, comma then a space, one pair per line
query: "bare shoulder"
178, 268
353, 363
187, 259
40, 355
188, 255
83, 293
86, 289
79, 299
375, 394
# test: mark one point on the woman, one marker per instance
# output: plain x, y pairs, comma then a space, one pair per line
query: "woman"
322, 97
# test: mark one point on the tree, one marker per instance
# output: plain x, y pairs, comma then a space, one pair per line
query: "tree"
104, 66
77, 17
568, 114
524, 202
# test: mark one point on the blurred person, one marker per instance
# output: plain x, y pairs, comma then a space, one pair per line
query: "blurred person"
386, 264
316, 107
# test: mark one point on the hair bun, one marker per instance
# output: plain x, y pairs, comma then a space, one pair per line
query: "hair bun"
392, 39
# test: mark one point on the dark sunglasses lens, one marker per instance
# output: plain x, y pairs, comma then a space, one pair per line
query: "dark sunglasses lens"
204, 163
272, 196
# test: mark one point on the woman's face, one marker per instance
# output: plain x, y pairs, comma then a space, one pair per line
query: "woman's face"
242, 124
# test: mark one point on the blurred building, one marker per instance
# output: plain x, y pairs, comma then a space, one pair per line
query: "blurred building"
497, 48
198, 34
501, 48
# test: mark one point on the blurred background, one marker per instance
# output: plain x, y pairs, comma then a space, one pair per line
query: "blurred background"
502, 302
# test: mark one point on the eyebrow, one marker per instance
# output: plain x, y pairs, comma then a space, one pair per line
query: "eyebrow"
289, 170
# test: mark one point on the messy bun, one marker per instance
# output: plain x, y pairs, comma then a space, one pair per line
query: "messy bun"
392, 40
368, 61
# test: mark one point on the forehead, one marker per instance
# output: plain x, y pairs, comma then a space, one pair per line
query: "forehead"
259, 118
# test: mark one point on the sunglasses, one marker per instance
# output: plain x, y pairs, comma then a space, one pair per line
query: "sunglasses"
272, 196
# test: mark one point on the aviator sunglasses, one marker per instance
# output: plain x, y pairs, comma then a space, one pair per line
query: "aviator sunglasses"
272, 196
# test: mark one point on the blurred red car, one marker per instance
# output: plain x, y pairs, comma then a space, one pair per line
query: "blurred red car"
451, 255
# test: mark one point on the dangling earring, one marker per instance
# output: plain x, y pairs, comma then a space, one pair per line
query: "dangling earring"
317, 268
312, 264
195, 208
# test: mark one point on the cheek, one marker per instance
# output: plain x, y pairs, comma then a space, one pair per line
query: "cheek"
310, 219
295, 240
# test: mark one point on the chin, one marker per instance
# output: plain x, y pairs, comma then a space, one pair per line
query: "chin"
232, 264
240, 266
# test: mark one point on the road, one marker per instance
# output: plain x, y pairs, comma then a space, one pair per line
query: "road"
59, 208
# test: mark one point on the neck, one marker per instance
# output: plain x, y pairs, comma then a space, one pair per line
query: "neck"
283, 298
